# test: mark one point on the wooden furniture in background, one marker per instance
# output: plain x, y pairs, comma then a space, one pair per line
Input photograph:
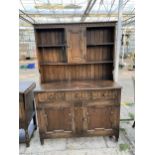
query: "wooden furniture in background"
77, 95
26, 112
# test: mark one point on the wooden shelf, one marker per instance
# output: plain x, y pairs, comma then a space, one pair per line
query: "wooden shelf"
84, 63
103, 44
77, 85
53, 46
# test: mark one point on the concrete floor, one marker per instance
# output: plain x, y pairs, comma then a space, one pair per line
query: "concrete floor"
88, 145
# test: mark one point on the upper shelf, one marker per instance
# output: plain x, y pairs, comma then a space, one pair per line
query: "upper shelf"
54, 46
64, 45
84, 63
101, 44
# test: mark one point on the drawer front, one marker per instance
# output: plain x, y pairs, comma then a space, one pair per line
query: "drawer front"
51, 96
106, 94
78, 95
91, 95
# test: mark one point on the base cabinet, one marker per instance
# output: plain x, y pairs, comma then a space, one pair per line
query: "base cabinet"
79, 113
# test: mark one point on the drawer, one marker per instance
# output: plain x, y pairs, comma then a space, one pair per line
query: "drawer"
101, 102
78, 95
91, 95
106, 94
62, 96
51, 96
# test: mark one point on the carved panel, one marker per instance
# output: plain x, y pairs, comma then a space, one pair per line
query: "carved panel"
78, 95
76, 41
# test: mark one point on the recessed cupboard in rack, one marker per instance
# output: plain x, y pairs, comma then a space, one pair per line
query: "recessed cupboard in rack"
50, 37
51, 45
100, 43
77, 95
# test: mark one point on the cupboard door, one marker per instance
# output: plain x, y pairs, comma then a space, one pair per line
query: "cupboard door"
76, 41
102, 118
58, 118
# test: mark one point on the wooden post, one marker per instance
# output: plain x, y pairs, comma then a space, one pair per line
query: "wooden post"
118, 40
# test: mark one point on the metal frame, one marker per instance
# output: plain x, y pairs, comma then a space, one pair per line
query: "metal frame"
23, 13
24, 19
118, 40
107, 11
88, 9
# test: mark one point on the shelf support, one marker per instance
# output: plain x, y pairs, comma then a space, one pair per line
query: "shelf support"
118, 40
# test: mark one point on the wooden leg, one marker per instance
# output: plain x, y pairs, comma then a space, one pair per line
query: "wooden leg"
27, 144
42, 141
27, 140
110, 136
133, 125
35, 122
34, 117
117, 136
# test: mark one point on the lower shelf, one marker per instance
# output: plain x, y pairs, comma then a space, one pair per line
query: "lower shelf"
31, 129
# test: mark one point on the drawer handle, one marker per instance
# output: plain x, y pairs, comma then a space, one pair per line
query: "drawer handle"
78, 103
84, 119
51, 97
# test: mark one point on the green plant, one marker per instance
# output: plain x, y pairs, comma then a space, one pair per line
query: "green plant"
123, 147
121, 65
122, 129
129, 104
131, 115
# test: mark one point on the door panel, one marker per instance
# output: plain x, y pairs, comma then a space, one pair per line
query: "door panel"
102, 117
76, 40
58, 119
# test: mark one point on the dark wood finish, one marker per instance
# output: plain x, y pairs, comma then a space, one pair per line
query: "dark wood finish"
27, 117
68, 64
100, 44
64, 25
76, 44
54, 46
84, 51
81, 108
76, 85
76, 95
76, 72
